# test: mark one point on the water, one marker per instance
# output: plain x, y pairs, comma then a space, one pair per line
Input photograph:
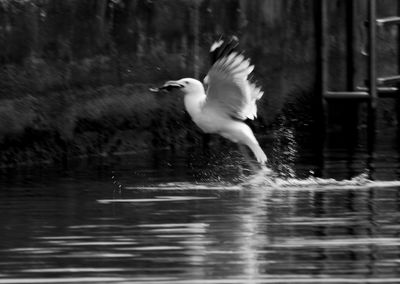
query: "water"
181, 219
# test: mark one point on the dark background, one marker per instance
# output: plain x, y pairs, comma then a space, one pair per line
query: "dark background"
74, 74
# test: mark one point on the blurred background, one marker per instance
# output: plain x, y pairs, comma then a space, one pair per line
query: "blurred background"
74, 75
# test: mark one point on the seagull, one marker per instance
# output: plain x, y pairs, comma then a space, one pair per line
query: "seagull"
226, 98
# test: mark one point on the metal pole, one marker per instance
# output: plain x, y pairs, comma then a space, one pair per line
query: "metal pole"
372, 75
324, 60
324, 37
351, 107
398, 70
324, 48
320, 85
372, 52
350, 63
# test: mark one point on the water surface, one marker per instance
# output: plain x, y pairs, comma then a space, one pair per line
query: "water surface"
177, 219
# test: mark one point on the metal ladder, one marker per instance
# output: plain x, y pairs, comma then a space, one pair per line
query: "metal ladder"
376, 86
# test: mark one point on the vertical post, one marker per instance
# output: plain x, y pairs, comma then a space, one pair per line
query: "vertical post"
322, 28
318, 102
350, 45
398, 70
324, 59
372, 105
324, 49
350, 108
372, 52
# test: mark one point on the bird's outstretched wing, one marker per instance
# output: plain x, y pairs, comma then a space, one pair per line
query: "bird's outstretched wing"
228, 88
222, 48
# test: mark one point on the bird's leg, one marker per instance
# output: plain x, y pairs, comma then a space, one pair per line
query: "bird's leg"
248, 159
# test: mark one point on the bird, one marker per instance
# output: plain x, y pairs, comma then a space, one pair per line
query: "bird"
225, 99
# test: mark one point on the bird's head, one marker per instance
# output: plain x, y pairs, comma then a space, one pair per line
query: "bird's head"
185, 86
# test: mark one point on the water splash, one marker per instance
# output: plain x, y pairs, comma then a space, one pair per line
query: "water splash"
268, 179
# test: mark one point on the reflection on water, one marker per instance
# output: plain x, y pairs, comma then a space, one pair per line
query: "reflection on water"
169, 224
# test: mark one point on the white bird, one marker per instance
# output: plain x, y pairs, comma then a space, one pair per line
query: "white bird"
229, 98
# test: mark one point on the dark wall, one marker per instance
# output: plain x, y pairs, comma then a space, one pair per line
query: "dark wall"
51, 45
67, 68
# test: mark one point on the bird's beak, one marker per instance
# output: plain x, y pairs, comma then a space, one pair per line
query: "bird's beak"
168, 86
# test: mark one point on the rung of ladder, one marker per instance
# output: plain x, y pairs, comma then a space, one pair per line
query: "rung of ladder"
388, 21
346, 95
381, 90
389, 80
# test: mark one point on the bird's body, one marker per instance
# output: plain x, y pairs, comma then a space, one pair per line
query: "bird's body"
229, 99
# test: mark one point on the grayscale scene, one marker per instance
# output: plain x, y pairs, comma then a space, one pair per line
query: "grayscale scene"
200, 141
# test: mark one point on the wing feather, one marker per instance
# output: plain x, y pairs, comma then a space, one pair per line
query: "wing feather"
229, 89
